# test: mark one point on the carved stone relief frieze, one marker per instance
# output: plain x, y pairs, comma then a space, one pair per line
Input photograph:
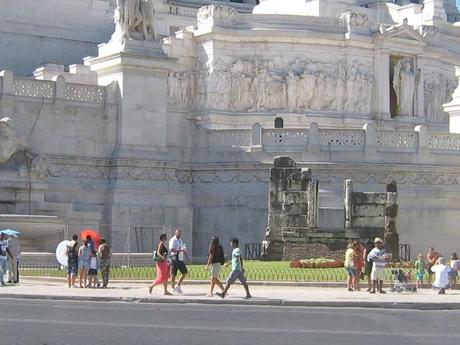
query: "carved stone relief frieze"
259, 85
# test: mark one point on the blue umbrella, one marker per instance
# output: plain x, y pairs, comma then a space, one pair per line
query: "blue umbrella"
10, 232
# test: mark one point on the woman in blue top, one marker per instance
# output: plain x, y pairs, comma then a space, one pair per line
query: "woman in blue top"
84, 255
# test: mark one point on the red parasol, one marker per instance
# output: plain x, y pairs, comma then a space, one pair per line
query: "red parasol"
91, 233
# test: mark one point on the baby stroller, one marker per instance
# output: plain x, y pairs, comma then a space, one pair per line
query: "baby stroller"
402, 281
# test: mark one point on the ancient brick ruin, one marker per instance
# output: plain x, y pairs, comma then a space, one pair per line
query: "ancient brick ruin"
293, 230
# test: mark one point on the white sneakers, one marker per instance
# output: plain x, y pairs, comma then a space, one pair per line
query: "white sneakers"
177, 290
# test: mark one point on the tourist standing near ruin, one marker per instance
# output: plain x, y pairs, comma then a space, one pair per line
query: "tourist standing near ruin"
4, 253
441, 279
431, 258
72, 260
454, 266
419, 271
13, 262
368, 263
377, 255
350, 266
84, 255
177, 250
105, 254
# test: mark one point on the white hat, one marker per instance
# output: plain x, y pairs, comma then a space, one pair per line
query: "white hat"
377, 240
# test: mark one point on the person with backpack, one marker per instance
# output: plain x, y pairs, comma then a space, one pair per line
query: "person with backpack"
216, 259
72, 260
105, 254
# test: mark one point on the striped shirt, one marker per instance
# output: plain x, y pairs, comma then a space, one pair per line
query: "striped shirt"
378, 257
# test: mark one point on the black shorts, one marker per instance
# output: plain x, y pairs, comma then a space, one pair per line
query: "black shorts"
178, 265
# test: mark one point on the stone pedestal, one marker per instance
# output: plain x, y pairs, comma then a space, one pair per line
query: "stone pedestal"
141, 70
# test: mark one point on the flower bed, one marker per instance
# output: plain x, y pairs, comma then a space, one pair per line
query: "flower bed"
316, 263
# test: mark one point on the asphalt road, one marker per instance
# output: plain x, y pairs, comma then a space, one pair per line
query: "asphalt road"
24, 322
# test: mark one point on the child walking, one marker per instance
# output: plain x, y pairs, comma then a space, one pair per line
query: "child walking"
237, 270
419, 271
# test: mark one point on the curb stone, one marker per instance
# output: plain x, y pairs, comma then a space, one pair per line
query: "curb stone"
250, 302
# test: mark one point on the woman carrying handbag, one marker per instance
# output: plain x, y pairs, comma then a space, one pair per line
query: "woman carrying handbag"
159, 256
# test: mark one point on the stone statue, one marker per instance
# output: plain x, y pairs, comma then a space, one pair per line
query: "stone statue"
134, 20
404, 86
9, 142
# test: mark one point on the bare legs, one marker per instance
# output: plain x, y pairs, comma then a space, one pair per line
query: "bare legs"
215, 281
83, 277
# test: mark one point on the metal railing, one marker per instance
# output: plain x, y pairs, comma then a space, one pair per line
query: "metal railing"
142, 267
404, 252
253, 251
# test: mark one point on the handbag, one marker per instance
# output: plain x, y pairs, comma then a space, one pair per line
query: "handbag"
156, 257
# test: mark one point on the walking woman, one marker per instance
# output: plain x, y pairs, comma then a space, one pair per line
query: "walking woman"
215, 260
162, 264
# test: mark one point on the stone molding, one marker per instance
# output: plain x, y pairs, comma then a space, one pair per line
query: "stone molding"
143, 172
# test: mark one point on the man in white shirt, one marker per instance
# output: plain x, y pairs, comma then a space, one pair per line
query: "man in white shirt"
177, 250
377, 257
441, 279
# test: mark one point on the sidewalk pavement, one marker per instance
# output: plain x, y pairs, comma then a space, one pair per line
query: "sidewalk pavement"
424, 299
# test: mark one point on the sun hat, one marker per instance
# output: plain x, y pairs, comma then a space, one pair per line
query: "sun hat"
377, 240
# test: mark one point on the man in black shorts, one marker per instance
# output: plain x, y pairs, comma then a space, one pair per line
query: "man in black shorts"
177, 250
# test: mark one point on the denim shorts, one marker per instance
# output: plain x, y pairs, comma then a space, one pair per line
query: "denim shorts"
72, 269
351, 271
82, 264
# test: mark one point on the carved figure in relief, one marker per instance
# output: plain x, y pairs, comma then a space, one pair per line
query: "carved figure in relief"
134, 19
329, 92
437, 90
292, 81
306, 89
338, 103
352, 88
297, 67
404, 86
429, 88
367, 81
275, 89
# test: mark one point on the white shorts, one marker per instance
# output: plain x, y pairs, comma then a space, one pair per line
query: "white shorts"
215, 269
378, 273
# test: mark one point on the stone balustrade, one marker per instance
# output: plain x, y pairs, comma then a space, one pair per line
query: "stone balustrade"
368, 140
53, 91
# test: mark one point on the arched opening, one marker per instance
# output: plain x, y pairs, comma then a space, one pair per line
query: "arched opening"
279, 122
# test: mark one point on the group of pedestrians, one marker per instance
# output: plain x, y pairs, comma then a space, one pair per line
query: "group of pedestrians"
85, 259
170, 261
445, 272
10, 254
373, 258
